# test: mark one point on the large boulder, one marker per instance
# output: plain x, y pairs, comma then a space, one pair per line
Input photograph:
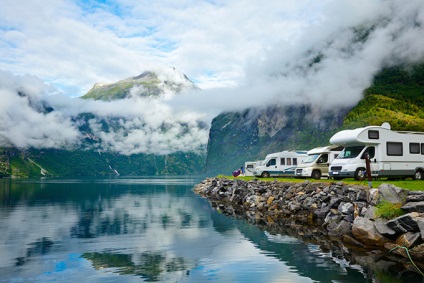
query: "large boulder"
338, 229
405, 223
383, 229
414, 206
416, 253
364, 230
415, 196
391, 193
409, 240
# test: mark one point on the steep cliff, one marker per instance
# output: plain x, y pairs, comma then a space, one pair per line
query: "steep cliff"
250, 135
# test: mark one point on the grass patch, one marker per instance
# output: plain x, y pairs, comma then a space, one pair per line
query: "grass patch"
408, 184
389, 210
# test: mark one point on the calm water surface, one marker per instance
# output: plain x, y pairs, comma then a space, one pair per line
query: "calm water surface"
144, 229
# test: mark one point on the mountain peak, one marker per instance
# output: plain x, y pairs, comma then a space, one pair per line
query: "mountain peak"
153, 83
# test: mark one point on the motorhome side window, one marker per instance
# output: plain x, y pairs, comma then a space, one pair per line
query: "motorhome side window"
272, 162
324, 158
294, 161
249, 166
373, 135
282, 161
394, 149
422, 148
414, 148
288, 161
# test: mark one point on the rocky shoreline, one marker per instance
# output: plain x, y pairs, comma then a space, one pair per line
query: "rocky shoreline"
342, 213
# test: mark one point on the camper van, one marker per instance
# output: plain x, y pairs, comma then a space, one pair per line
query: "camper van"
280, 164
249, 167
391, 153
316, 164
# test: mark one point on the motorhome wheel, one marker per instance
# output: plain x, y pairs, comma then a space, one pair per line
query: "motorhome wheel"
360, 174
418, 175
316, 174
265, 174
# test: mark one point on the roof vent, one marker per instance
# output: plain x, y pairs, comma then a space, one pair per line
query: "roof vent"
386, 126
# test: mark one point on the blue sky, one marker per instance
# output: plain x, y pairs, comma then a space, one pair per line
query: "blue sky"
74, 44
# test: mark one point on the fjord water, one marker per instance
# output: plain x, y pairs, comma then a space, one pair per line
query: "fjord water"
144, 229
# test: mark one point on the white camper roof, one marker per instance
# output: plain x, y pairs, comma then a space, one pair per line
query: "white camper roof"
287, 153
324, 149
354, 136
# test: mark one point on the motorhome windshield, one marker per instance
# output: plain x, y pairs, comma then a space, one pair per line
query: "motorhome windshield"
351, 152
311, 158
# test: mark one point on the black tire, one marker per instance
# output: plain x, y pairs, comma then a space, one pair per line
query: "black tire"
360, 174
265, 174
316, 174
418, 175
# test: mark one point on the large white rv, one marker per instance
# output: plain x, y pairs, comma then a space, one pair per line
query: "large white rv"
249, 167
280, 164
316, 164
392, 154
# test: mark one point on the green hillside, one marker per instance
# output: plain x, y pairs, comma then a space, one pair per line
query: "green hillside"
395, 96
54, 162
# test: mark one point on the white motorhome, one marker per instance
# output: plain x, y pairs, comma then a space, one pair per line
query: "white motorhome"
391, 153
280, 164
316, 164
249, 167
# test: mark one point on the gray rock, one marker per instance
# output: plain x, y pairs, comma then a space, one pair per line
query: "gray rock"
404, 223
335, 201
361, 195
346, 208
332, 217
418, 252
338, 229
389, 193
373, 196
383, 229
420, 223
409, 240
415, 197
322, 212
364, 230
414, 206
370, 213
352, 241
308, 202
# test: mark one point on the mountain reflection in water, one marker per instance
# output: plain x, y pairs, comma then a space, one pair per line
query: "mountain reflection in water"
144, 229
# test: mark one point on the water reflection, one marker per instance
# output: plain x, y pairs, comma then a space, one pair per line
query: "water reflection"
149, 265
154, 230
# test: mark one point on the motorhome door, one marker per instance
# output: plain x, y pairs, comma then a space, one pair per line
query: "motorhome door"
370, 150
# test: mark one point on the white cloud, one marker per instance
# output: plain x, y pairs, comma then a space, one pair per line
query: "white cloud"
249, 54
137, 125
346, 67
74, 44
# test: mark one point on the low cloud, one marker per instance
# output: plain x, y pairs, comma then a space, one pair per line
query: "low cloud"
32, 117
327, 62
331, 64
